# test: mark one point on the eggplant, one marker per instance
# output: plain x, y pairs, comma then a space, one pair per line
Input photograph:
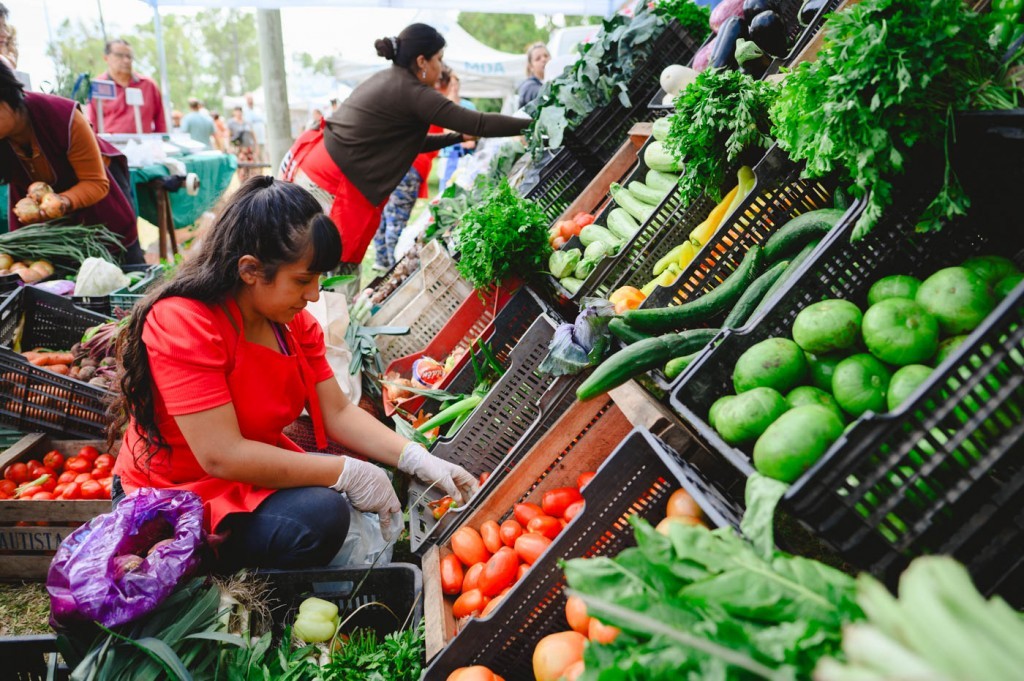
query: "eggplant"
751, 8
724, 54
768, 31
752, 59
808, 11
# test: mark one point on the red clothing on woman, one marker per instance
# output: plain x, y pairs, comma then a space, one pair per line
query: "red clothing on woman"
425, 161
198, 362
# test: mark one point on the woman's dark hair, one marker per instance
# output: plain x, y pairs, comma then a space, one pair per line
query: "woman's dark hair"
413, 41
277, 223
12, 90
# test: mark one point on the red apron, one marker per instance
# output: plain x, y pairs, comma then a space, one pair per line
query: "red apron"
269, 391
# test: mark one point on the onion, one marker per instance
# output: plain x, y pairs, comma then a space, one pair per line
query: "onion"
52, 205
43, 267
37, 190
27, 211
6, 261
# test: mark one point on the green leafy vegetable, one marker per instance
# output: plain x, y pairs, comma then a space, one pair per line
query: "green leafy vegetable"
717, 117
399, 657
695, 19
503, 235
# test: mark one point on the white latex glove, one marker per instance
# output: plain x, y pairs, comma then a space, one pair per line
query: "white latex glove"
455, 480
368, 488
391, 525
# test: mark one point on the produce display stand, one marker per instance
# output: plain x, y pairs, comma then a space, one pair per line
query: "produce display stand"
33, 399
120, 302
561, 182
31, 531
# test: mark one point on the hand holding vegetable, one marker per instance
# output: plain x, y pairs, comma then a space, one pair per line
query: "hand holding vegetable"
455, 480
367, 487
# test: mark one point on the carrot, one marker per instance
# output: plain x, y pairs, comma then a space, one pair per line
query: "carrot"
31, 355
51, 358
62, 369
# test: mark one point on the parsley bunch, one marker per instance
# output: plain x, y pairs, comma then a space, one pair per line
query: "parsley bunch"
718, 116
694, 18
887, 80
502, 235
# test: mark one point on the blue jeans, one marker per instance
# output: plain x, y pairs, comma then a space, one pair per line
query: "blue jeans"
395, 217
293, 528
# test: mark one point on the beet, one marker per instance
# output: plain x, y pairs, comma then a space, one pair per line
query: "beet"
126, 563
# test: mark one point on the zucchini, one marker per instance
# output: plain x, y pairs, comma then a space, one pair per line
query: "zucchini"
744, 307
665, 182
632, 205
658, 158
596, 251
622, 224
661, 128
584, 268
699, 311
624, 332
592, 233
796, 233
677, 365
794, 264
644, 355
571, 284
645, 193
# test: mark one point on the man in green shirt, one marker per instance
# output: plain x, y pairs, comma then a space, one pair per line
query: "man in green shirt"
198, 124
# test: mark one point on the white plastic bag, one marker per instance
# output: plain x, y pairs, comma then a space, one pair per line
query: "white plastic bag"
331, 311
365, 544
99, 277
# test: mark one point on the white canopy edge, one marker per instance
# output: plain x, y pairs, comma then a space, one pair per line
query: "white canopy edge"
574, 7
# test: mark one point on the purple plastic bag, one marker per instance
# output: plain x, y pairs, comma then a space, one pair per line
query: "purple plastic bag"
83, 580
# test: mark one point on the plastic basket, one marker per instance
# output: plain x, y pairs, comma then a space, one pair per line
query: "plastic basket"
398, 588
561, 181
498, 318
596, 139
632, 480
800, 35
125, 297
33, 399
31, 658
878, 495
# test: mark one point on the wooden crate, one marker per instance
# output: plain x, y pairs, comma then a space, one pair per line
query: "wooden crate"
31, 531
580, 441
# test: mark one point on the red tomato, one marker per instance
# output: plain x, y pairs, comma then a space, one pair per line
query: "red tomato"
451, 575
483, 477
50, 484
555, 231
530, 546
474, 673
545, 525
555, 653
67, 476
4, 496
584, 479
499, 572
469, 603
472, 579
469, 546
490, 533
33, 466
523, 569
573, 511
7, 487
526, 512
100, 473
89, 452
104, 461
492, 604
17, 473
91, 489
567, 228
681, 504
602, 633
77, 464
583, 219
557, 242
555, 501
43, 496
82, 477
509, 532
59, 489
72, 490
574, 671
54, 459
576, 615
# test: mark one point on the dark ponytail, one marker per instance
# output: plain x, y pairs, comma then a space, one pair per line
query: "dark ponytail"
276, 222
413, 41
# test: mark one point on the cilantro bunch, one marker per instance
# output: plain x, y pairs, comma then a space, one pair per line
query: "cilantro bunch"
718, 116
886, 82
695, 19
502, 235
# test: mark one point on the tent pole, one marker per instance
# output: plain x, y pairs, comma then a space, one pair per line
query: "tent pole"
275, 85
165, 89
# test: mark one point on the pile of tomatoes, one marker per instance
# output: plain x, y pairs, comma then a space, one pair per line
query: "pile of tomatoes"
563, 230
486, 563
87, 475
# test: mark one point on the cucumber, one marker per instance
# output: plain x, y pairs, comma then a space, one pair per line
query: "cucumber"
661, 128
645, 193
664, 182
622, 224
781, 281
592, 233
795, 234
624, 332
632, 205
642, 356
702, 309
744, 307
658, 158
677, 365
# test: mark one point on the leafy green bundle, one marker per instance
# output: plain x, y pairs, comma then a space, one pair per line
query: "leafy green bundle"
718, 116
399, 657
502, 236
695, 19
885, 83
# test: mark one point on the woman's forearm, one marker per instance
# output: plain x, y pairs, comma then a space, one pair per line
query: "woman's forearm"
84, 156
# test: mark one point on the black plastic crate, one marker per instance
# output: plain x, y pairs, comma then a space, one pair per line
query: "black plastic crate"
123, 298
634, 480
33, 399
31, 658
596, 139
562, 180
878, 496
798, 34
397, 588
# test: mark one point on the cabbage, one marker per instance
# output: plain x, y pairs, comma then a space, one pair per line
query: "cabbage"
565, 355
562, 264
98, 277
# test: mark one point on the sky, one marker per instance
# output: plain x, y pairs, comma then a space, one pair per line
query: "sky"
319, 31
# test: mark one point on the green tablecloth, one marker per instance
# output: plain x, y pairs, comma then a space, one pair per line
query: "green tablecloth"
214, 169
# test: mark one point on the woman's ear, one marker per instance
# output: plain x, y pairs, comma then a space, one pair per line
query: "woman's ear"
421, 63
250, 269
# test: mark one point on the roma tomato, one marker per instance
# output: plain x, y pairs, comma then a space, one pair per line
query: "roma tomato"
555, 501
33, 466
89, 452
557, 242
545, 525
555, 652
492, 604
49, 485
43, 496
576, 615
523, 569
574, 671
509, 532
573, 510
82, 477
91, 489
54, 459
530, 546
72, 490
469, 546
451, 575
583, 219
584, 479
491, 534
469, 603
104, 461
77, 464
526, 512
58, 491
67, 476
7, 487
602, 633
472, 579
499, 572
474, 673
17, 473
681, 504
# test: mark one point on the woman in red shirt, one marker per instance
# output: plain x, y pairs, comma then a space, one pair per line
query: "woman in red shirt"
221, 358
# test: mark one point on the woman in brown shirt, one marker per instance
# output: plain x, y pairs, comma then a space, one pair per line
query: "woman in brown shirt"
369, 143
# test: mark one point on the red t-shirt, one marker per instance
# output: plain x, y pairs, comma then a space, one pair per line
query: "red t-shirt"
118, 116
191, 356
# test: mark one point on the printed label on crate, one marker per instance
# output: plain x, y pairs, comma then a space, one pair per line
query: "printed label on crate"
33, 538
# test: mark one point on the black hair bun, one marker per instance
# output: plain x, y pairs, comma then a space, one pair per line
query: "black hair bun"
385, 48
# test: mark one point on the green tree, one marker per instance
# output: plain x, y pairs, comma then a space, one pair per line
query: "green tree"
515, 32
232, 44
77, 48
186, 75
